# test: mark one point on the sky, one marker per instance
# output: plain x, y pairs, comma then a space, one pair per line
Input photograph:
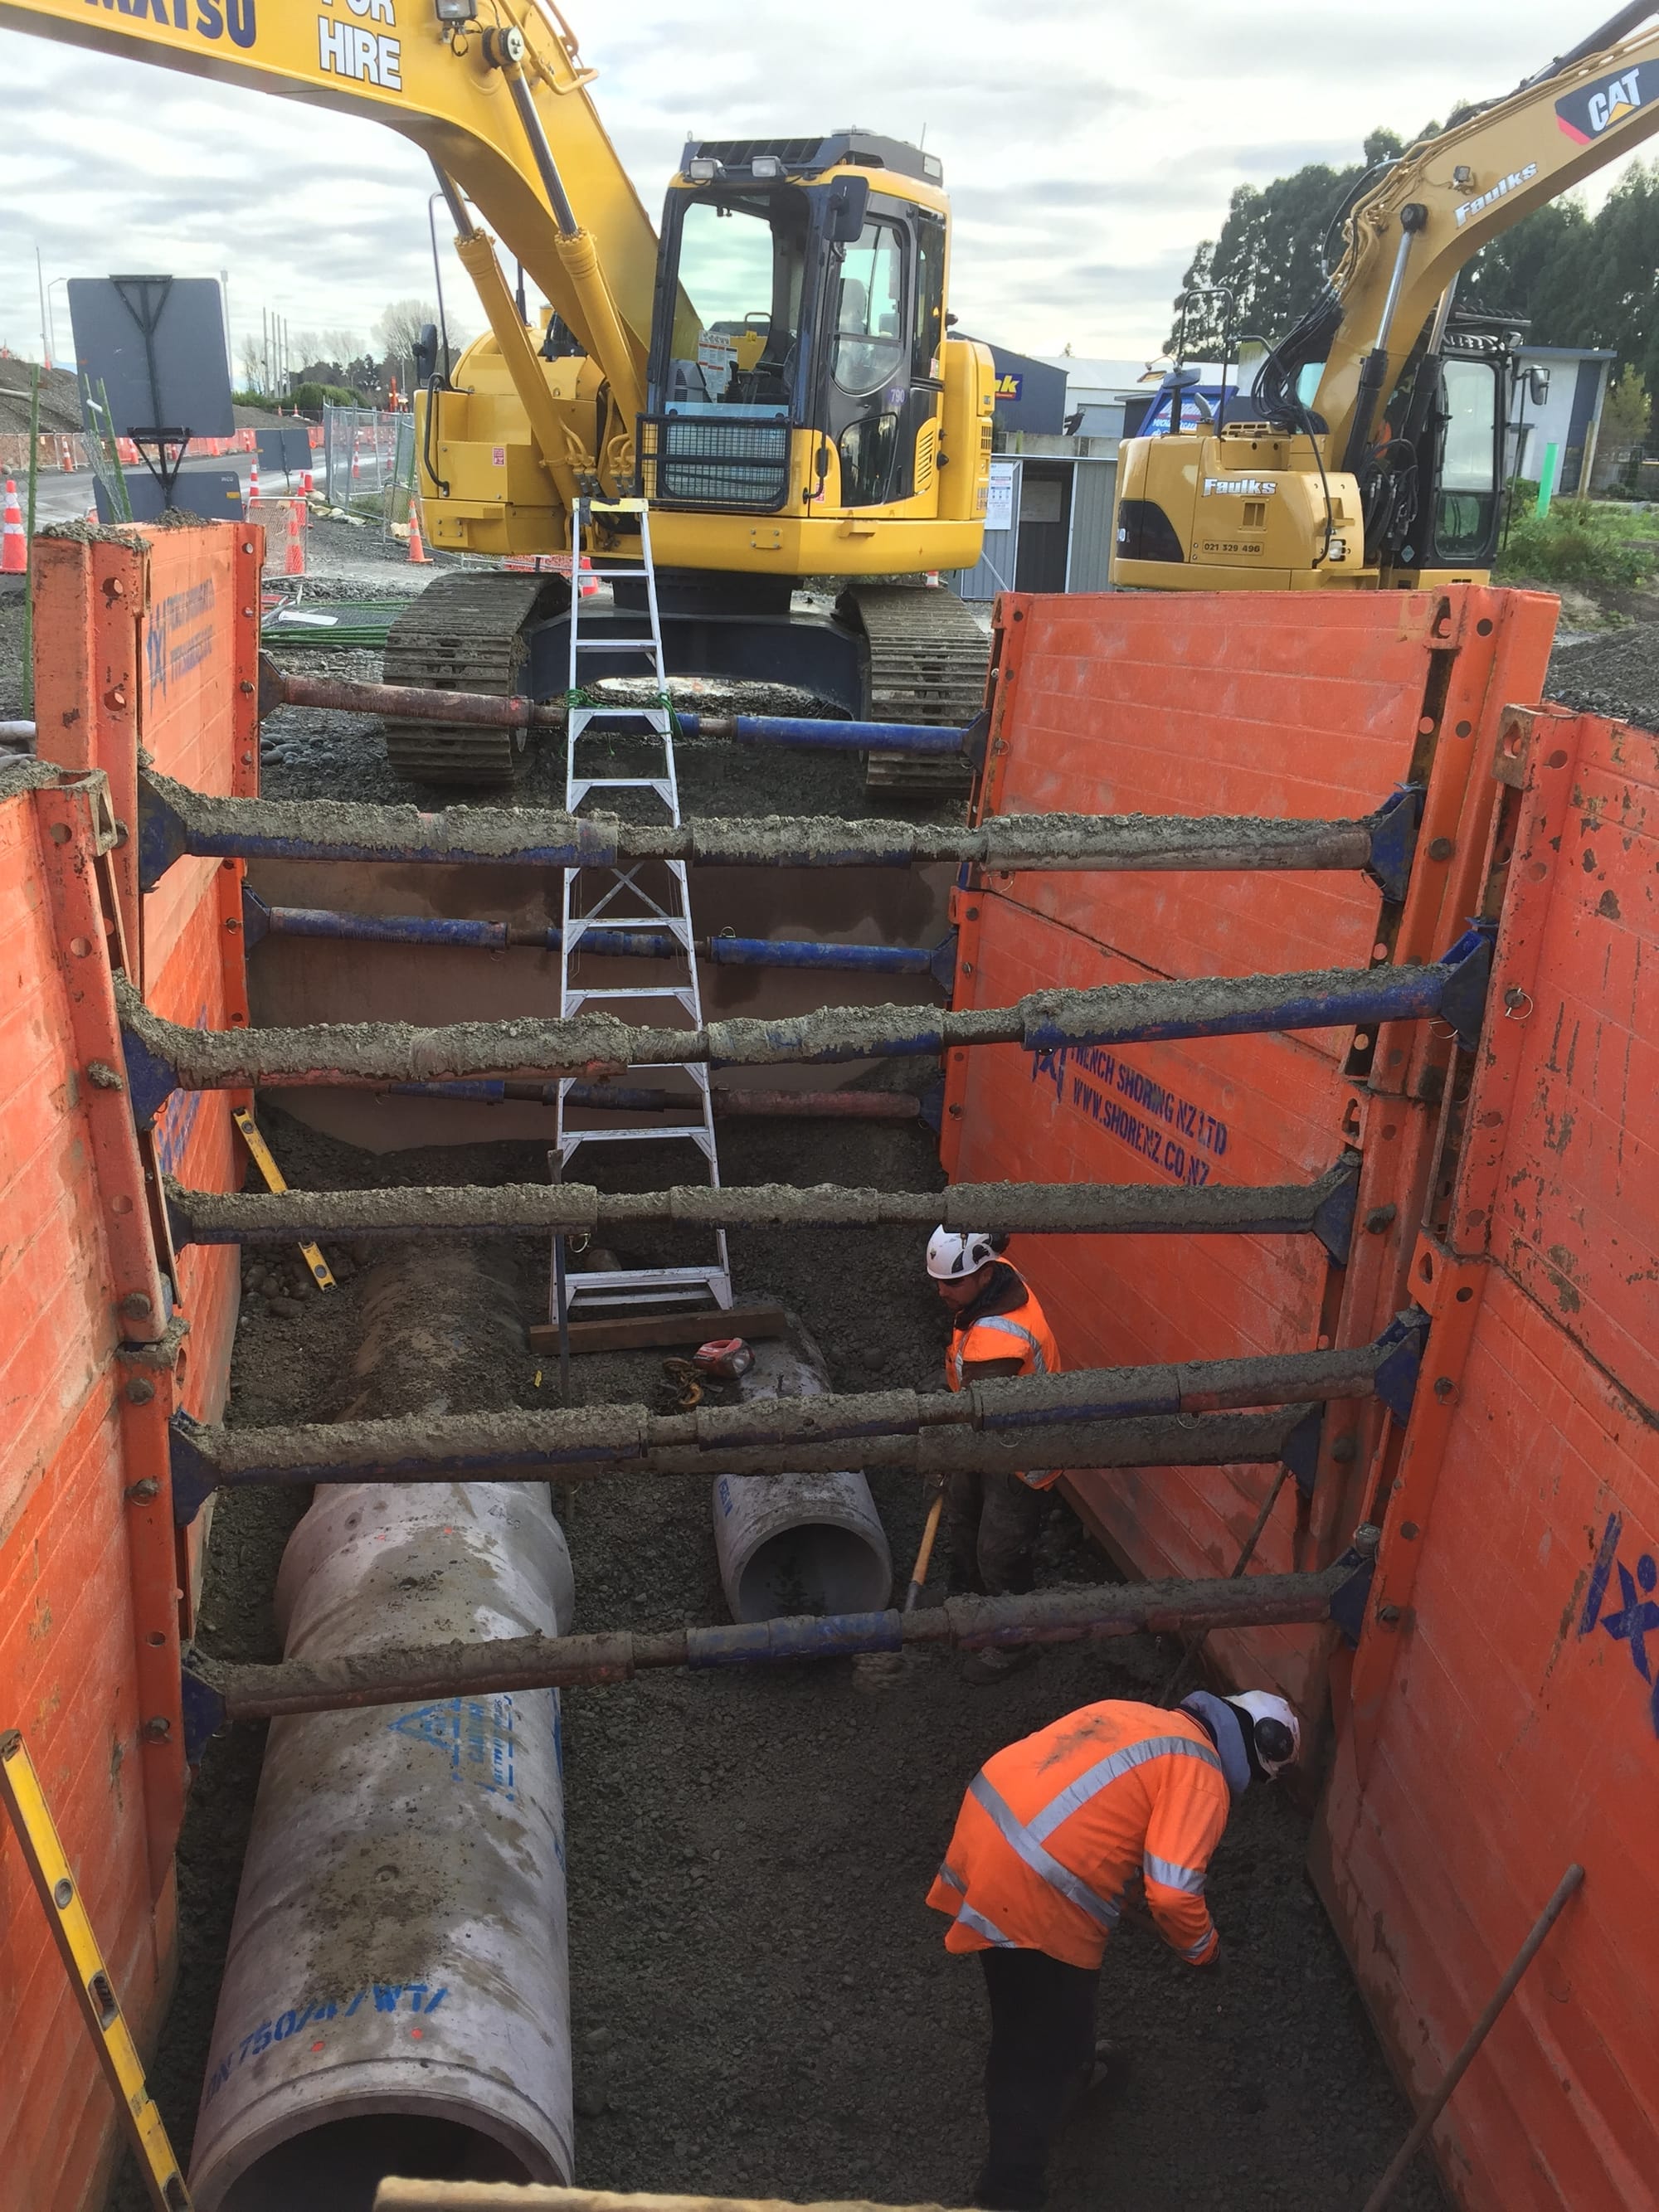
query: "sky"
1087, 146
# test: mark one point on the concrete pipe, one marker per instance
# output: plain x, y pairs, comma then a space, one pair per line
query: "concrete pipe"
791, 1544
396, 1997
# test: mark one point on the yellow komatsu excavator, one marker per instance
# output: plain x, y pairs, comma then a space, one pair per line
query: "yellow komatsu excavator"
774, 375
1369, 453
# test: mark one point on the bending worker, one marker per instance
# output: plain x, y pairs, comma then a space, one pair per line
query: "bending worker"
997, 1328
1051, 1832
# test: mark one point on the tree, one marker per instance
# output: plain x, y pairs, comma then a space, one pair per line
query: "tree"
1270, 253
1625, 413
399, 326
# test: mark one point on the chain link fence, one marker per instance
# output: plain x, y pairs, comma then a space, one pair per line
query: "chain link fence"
369, 465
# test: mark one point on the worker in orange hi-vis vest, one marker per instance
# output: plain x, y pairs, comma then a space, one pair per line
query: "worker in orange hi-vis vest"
997, 1328
1051, 1832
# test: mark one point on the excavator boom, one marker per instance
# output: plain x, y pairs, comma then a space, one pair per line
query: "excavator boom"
432, 81
1448, 196
1381, 479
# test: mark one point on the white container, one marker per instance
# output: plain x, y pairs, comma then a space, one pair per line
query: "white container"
794, 1544
397, 1994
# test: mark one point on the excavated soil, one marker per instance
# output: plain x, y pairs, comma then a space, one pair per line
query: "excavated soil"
1616, 674
762, 2002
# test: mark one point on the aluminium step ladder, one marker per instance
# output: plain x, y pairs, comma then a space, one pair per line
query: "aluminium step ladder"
651, 897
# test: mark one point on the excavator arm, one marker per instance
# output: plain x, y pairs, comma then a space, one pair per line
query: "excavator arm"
1449, 195
502, 107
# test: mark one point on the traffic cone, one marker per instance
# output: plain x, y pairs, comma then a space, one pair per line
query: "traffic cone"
588, 583
416, 548
305, 484
253, 483
13, 546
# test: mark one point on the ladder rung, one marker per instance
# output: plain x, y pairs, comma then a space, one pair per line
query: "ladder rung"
581, 996
605, 576
616, 645
655, 922
638, 1136
590, 713
620, 782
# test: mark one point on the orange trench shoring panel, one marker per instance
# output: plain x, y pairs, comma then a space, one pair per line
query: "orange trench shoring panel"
143, 640
1500, 1717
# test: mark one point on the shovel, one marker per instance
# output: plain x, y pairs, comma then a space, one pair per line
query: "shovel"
872, 1667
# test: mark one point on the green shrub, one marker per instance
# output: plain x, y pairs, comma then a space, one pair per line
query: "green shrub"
1577, 543
326, 395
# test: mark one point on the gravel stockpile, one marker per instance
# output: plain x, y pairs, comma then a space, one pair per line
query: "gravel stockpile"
1616, 674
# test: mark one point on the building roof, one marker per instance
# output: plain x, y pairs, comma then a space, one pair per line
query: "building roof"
1571, 353
1088, 378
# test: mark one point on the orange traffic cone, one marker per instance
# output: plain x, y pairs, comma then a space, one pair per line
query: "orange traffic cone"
417, 547
305, 484
588, 583
253, 483
14, 545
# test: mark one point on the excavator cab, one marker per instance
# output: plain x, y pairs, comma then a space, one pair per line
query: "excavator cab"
799, 318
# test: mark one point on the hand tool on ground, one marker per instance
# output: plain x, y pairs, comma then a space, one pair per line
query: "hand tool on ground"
924, 1554
71, 1931
884, 1666
1569, 1881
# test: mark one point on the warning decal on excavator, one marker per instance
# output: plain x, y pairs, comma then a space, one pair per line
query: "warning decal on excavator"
1590, 109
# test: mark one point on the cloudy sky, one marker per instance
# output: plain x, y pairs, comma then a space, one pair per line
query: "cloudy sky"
1086, 146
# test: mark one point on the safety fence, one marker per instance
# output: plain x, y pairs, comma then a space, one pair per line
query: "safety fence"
369, 465
64, 452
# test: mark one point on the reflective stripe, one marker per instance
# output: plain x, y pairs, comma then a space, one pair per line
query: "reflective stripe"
967, 1918
1003, 1327
950, 1878
1195, 1950
1191, 1879
1020, 1839
1099, 1776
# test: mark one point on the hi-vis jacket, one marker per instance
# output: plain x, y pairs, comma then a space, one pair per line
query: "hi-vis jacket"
1052, 1829
1020, 1332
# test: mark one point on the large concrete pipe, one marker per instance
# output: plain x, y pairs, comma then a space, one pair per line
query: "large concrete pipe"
396, 1996
792, 1544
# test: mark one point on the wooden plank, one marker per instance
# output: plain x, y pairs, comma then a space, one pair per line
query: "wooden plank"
647, 1332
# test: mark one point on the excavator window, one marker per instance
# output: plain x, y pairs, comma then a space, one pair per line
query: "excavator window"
737, 326
1465, 495
927, 360
869, 310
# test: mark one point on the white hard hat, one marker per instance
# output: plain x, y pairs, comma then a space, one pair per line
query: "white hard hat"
954, 1253
1263, 1706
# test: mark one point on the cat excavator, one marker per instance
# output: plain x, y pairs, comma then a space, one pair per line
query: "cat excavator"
1369, 453
774, 373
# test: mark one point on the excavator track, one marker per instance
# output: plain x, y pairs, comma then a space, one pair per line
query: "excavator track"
929, 659
465, 633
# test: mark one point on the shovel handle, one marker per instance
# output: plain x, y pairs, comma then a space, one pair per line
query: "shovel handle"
925, 1552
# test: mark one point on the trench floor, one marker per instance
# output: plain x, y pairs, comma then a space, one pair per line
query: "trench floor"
762, 2003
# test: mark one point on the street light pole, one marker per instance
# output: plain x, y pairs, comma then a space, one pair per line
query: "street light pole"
40, 286
52, 312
